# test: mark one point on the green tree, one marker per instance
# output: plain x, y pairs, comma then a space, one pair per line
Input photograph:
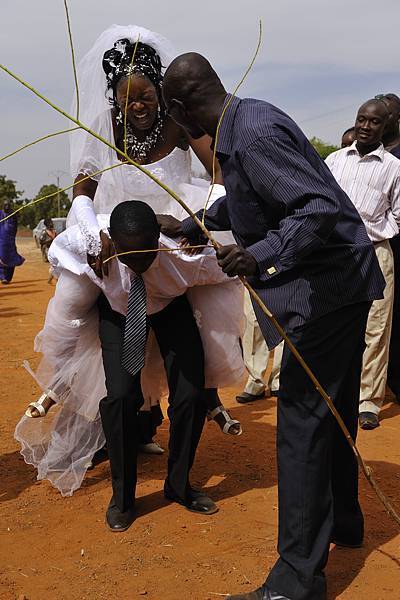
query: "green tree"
323, 148
8, 191
57, 205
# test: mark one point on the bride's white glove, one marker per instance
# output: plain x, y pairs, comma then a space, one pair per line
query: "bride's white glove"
98, 244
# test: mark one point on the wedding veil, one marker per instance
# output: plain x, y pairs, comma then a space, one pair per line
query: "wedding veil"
89, 155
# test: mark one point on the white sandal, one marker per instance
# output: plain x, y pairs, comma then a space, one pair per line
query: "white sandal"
229, 421
39, 404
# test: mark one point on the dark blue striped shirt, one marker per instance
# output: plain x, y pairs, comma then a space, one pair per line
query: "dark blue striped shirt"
283, 204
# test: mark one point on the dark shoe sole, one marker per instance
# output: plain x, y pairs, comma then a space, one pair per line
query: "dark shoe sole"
212, 511
342, 544
245, 398
120, 529
368, 420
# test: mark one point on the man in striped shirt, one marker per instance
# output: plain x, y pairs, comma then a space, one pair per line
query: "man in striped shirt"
371, 178
305, 250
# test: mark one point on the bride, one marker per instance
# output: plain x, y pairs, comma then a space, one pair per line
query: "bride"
61, 444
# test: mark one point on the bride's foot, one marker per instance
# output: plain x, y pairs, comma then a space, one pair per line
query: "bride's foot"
40, 408
222, 417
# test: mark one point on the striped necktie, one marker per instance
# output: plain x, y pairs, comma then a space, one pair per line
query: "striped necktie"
133, 351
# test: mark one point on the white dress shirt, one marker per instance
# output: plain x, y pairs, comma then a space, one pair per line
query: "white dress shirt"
170, 275
372, 183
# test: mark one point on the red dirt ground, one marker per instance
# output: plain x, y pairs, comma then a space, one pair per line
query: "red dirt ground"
59, 548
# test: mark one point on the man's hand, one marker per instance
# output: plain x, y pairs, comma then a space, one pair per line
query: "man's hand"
96, 262
235, 260
169, 226
192, 251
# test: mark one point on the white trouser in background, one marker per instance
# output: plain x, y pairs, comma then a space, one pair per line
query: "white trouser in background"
377, 338
256, 355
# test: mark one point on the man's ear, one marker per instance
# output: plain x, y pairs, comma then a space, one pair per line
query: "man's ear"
178, 105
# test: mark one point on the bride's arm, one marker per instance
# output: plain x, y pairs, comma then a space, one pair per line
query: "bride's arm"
202, 148
98, 245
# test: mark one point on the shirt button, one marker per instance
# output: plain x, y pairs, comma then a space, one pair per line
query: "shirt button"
271, 270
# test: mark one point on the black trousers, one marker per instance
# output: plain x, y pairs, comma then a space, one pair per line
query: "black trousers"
181, 348
317, 470
393, 379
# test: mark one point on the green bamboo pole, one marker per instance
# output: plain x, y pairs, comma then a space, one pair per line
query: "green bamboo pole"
68, 187
71, 45
127, 97
41, 139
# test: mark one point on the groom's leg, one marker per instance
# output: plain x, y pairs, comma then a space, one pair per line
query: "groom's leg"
181, 348
119, 410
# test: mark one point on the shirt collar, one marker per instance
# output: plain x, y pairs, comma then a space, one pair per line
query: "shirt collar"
225, 134
378, 152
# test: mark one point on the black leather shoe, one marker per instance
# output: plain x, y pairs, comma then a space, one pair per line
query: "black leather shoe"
245, 397
263, 593
197, 501
347, 542
99, 457
368, 420
119, 521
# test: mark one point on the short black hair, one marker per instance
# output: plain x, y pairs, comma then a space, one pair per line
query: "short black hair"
48, 221
393, 97
349, 130
134, 218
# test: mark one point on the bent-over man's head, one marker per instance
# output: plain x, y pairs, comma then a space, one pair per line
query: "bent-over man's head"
193, 94
133, 226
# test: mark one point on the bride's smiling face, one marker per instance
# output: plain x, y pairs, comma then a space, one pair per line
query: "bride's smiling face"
143, 101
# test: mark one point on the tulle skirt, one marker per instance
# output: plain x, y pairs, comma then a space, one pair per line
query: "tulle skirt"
61, 445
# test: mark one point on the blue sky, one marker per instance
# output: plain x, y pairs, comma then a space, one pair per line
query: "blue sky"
319, 61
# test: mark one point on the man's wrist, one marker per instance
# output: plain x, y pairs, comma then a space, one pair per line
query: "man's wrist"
189, 228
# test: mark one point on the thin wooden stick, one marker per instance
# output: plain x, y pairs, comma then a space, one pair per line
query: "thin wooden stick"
47, 196
366, 470
106, 142
146, 251
127, 97
45, 137
71, 45
214, 159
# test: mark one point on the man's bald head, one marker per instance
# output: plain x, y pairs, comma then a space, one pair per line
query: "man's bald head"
377, 106
370, 123
193, 92
188, 76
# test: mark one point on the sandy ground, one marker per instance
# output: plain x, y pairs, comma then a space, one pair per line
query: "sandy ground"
59, 548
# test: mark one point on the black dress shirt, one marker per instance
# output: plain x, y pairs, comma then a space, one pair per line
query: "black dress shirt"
283, 204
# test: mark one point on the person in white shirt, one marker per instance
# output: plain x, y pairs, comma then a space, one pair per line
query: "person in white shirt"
371, 178
166, 277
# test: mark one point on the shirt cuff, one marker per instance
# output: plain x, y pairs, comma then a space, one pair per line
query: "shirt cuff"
190, 229
267, 258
